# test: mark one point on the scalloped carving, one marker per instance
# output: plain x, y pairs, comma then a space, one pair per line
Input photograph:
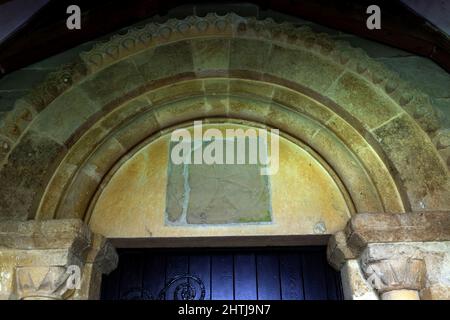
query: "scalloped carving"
136, 39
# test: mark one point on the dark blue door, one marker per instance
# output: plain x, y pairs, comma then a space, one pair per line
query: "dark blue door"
227, 274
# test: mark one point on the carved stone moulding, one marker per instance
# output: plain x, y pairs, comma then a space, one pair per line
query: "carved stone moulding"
400, 256
52, 260
230, 26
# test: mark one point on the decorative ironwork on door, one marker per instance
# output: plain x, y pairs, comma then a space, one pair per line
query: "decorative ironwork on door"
186, 287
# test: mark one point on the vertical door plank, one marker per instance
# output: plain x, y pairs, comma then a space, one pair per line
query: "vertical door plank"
131, 276
154, 275
291, 276
294, 275
268, 275
110, 289
200, 267
245, 287
177, 265
333, 283
222, 277
314, 277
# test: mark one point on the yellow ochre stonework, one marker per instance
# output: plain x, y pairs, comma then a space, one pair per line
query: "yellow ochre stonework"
304, 194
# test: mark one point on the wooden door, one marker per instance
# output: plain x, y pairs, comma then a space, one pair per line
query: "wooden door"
229, 274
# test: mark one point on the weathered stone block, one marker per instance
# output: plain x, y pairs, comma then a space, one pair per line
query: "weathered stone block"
367, 228
363, 101
302, 67
51, 234
75, 204
48, 204
216, 86
85, 145
417, 162
210, 54
124, 113
381, 176
217, 106
113, 83
248, 54
181, 111
165, 61
25, 174
338, 251
251, 88
175, 91
61, 119
249, 109
301, 103
101, 259
136, 131
17, 120
348, 167
7, 99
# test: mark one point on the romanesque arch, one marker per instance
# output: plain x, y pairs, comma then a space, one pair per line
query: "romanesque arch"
368, 128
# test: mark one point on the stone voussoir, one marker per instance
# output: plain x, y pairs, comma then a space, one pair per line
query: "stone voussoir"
230, 25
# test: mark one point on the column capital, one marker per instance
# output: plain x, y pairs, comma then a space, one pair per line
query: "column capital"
51, 259
400, 256
366, 228
395, 273
42, 283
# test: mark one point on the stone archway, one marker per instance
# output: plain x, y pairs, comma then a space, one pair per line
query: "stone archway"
370, 130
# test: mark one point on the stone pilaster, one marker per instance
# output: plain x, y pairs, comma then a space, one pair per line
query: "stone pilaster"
55, 259
396, 256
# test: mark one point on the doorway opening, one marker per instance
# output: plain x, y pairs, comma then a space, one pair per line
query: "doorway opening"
294, 273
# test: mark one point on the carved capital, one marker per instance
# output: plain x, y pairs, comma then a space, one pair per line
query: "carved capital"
43, 283
55, 259
365, 229
401, 273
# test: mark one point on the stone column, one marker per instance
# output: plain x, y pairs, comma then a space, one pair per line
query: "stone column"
394, 256
54, 259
